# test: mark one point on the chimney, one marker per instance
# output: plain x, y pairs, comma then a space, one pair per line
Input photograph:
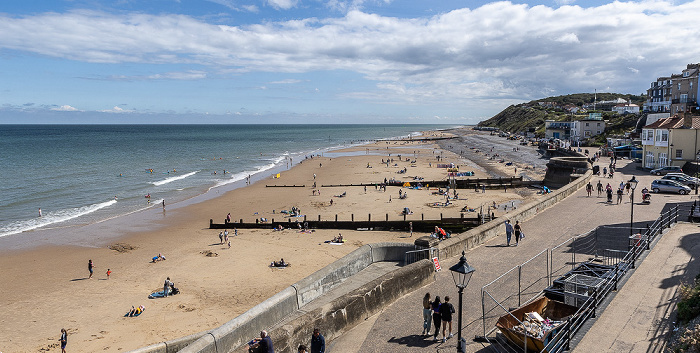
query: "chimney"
687, 120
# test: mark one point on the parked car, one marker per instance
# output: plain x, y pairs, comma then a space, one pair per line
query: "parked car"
665, 185
684, 179
666, 170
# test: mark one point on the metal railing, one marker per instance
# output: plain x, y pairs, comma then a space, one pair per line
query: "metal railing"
416, 255
515, 287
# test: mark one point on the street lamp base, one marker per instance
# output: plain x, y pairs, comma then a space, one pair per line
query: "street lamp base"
462, 346
482, 339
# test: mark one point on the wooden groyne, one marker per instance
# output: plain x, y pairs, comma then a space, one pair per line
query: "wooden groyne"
488, 183
458, 224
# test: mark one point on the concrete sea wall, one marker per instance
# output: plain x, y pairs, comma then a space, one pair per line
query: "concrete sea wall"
347, 311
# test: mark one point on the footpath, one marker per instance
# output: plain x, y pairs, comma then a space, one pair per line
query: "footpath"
642, 313
398, 327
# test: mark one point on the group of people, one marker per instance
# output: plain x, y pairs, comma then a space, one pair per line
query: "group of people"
264, 343
513, 230
280, 263
339, 239
441, 315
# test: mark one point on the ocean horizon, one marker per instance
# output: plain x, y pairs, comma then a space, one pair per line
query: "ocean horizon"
62, 176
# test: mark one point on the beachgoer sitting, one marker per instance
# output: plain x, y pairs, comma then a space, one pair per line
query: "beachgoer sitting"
136, 311
279, 263
173, 290
338, 239
158, 258
278, 228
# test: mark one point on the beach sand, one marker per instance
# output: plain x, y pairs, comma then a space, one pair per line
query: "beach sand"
46, 288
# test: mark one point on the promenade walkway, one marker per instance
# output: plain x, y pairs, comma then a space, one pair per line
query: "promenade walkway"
398, 327
642, 313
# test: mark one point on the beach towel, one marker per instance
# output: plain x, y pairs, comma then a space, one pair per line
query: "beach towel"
159, 294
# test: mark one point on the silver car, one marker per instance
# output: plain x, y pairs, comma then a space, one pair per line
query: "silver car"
684, 179
665, 185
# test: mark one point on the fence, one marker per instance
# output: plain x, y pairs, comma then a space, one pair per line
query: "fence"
526, 282
420, 254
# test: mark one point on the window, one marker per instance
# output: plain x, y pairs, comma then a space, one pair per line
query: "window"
649, 160
679, 86
663, 160
679, 154
597, 124
587, 124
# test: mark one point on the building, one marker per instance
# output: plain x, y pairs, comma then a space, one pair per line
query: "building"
575, 131
626, 108
674, 94
670, 141
684, 90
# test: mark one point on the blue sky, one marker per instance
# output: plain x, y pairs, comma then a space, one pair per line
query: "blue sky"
326, 61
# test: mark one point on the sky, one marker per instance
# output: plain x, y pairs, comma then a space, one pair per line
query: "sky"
326, 61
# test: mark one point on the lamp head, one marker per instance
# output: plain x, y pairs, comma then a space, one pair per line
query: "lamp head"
462, 272
633, 182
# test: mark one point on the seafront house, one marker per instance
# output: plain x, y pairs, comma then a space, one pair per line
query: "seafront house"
575, 131
671, 141
675, 94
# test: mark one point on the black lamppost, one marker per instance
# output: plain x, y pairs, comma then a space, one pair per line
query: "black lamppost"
633, 184
461, 274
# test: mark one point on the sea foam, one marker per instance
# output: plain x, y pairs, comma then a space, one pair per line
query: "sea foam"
170, 180
52, 217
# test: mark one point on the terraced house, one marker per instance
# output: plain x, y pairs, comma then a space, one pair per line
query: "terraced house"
671, 141
674, 94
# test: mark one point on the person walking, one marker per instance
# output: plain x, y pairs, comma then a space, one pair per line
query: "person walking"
619, 196
91, 267
628, 187
427, 313
600, 188
437, 319
589, 189
509, 232
318, 343
446, 311
518, 233
64, 340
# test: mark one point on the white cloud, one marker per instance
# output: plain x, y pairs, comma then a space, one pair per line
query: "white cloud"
286, 82
568, 38
283, 4
116, 109
500, 52
65, 108
251, 8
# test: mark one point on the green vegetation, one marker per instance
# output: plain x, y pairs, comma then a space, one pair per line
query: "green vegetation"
689, 303
532, 115
687, 340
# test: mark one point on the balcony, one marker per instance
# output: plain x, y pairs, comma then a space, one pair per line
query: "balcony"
688, 101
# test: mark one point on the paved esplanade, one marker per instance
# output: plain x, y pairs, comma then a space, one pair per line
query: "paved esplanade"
398, 328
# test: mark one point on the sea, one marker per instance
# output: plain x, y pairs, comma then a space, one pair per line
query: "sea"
63, 176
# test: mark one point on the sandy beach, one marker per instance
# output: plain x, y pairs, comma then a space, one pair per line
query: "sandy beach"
47, 288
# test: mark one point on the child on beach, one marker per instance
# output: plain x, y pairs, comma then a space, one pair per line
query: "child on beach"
90, 268
109, 272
